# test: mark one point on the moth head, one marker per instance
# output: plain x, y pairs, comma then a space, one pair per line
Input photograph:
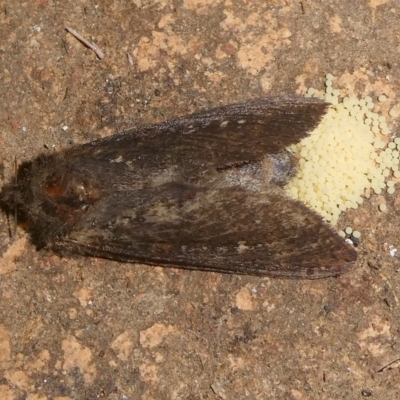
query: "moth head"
49, 197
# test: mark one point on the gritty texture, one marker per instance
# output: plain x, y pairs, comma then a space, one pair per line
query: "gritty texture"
86, 328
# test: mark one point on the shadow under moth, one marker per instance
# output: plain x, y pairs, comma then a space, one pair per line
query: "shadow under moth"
199, 192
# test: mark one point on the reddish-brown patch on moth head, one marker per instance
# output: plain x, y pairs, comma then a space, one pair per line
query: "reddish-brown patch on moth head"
68, 197
54, 189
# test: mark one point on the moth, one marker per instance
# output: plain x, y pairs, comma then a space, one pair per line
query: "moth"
199, 192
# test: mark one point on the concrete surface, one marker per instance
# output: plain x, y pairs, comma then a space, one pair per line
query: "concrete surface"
76, 328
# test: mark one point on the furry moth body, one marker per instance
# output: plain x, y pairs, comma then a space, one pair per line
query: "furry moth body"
199, 192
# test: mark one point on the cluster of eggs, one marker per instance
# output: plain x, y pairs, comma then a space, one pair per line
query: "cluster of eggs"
348, 153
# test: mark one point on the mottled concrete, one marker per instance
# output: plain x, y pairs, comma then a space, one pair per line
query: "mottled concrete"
88, 328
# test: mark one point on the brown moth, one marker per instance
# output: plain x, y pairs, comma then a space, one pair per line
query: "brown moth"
199, 192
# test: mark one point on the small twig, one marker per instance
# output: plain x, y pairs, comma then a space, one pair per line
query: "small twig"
13, 234
391, 365
130, 60
91, 46
303, 6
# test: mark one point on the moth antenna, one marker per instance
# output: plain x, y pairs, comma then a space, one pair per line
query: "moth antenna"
11, 231
15, 170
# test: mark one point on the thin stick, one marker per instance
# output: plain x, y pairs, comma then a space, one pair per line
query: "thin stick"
14, 233
91, 46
